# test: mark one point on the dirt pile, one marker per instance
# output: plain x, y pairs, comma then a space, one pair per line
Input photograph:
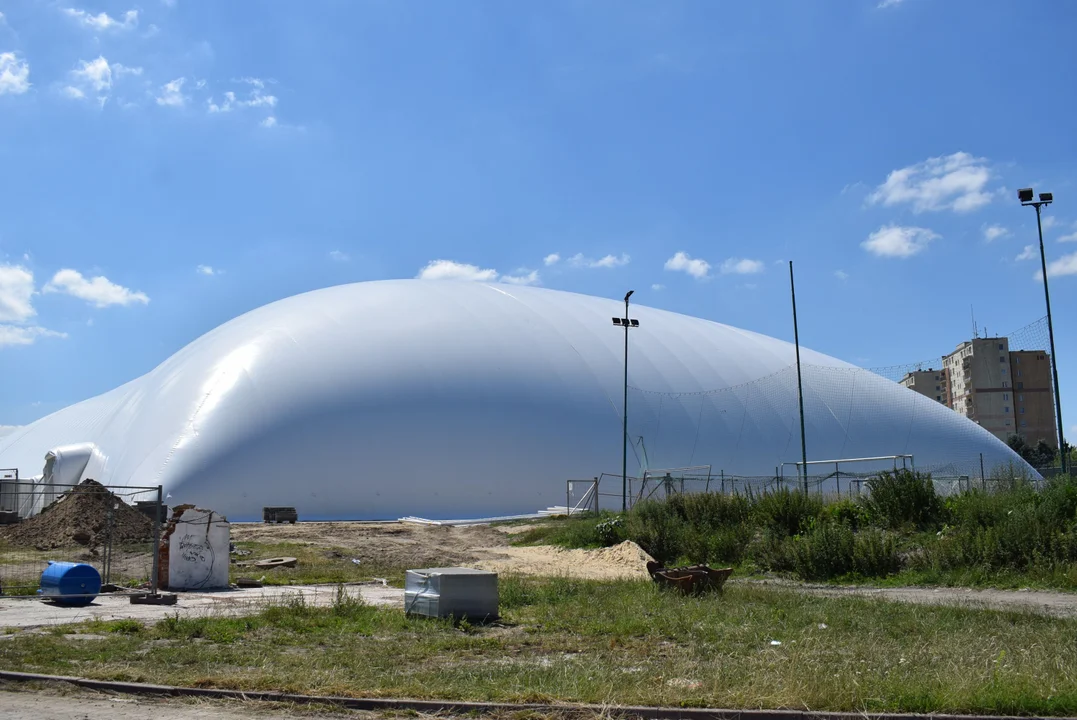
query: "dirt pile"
80, 517
624, 561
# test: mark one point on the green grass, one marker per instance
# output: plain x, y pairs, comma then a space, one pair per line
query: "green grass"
612, 642
316, 565
901, 533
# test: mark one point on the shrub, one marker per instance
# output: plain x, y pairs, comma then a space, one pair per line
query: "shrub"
846, 512
875, 554
901, 498
696, 527
826, 551
657, 529
611, 532
787, 512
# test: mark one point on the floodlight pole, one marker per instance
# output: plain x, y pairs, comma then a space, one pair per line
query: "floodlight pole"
624, 426
800, 385
1047, 199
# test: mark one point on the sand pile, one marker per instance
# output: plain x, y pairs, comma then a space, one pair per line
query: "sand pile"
80, 517
626, 560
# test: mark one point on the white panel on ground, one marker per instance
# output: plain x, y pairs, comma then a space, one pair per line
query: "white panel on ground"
198, 552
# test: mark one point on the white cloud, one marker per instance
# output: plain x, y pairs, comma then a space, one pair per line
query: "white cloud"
14, 74
889, 3
103, 21
120, 70
207, 270
898, 242
551, 259
523, 277
7, 429
742, 266
609, 261
841, 275
1029, 253
657, 287
269, 122
16, 294
169, 3
172, 94
254, 98
450, 270
16, 335
1049, 222
339, 256
994, 232
1065, 265
954, 182
1072, 237
74, 93
99, 291
696, 267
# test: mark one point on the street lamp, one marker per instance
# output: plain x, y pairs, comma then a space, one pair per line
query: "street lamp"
626, 323
1026, 196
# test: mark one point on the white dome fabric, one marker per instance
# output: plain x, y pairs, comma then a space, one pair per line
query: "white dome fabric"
451, 399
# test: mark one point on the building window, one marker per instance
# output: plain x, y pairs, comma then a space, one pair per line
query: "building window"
1005, 383
939, 398
1006, 409
1007, 423
1020, 385
1017, 359
1002, 359
1021, 398
1005, 396
1024, 424
1022, 411
938, 387
1000, 346
1018, 373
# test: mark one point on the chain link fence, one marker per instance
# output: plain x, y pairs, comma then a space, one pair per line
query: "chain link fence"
117, 530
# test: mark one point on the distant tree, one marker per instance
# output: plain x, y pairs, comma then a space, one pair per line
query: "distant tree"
1040, 455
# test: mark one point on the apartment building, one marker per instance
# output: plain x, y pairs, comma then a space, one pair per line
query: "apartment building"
1005, 392
930, 383
1033, 393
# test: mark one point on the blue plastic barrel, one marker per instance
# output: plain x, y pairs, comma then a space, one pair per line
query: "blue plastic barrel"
68, 583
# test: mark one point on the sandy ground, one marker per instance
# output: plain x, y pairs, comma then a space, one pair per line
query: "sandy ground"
22, 703
479, 546
30, 613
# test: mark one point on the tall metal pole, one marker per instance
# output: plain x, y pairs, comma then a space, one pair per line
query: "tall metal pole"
800, 385
1051, 335
624, 426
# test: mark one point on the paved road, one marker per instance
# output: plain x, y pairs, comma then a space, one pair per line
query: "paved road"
32, 613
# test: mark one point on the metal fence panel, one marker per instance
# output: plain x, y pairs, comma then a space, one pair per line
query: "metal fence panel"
85, 523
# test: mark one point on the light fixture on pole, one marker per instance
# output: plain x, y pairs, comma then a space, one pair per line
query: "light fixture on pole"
1027, 197
626, 323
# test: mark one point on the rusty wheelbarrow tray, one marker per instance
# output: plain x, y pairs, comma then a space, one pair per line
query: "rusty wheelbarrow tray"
690, 580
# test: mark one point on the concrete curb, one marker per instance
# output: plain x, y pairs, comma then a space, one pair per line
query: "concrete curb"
480, 708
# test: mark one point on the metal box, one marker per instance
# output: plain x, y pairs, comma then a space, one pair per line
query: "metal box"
451, 592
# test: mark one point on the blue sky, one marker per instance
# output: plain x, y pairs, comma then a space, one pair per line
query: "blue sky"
166, 166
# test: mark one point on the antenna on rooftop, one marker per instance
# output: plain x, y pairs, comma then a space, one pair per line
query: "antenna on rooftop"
975, 331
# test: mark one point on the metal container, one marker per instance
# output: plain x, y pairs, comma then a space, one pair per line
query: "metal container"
71, 584
451, 592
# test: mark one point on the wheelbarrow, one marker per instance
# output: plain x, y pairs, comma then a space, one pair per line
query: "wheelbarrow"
690, 580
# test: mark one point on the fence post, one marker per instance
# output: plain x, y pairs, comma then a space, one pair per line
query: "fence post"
983, 480
596, 496
156, 543
723, 482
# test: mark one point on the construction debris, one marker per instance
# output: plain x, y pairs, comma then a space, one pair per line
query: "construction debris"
81, 517
692, 580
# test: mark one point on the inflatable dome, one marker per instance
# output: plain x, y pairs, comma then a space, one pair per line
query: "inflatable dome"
446, 399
